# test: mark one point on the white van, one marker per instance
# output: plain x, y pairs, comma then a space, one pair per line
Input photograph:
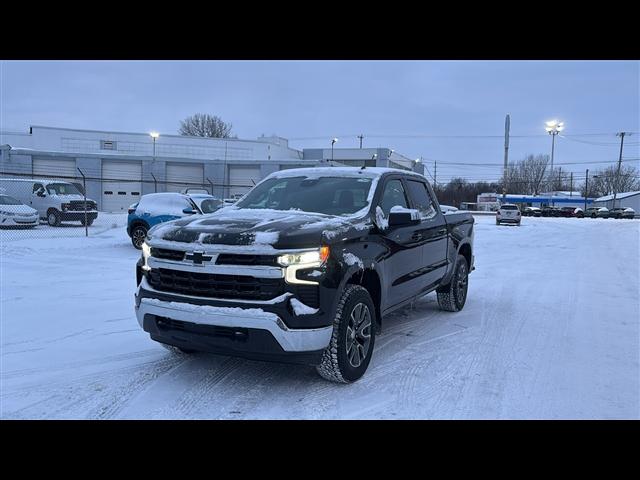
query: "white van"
56, 201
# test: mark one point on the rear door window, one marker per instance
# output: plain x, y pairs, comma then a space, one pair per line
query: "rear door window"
421, 199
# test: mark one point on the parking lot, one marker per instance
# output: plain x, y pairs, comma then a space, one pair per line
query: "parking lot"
550, 330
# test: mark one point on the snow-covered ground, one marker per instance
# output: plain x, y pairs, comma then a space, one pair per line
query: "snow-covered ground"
550, 330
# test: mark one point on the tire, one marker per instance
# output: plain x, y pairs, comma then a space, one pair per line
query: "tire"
178, 350
89, 221
138, 235
453, 296
53, 218
348, 354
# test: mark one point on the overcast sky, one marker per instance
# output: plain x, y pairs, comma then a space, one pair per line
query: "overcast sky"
325, 99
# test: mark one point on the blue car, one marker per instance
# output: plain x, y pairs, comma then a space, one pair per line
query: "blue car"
155, 208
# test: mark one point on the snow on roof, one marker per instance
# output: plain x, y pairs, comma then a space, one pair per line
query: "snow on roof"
368, 172
618, 196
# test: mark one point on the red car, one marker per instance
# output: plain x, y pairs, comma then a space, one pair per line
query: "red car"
568, 212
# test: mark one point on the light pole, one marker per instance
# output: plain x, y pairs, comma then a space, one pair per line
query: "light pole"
333, 141
553, 127
154, 136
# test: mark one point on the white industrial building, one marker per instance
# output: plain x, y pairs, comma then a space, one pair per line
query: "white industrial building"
623, 200
121, 166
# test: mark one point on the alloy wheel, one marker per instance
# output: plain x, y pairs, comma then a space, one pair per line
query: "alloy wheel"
358, 336
462, 283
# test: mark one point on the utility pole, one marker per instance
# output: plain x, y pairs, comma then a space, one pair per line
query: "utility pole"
560, 178
617, 182
435, 173
571, 185
586, 190
360, 137
506, 157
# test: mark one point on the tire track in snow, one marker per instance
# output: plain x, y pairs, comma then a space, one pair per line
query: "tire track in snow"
81, 363
207, 387
65, 399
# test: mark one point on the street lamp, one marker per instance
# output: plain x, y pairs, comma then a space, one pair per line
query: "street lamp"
333, 141
154, 135
553, 127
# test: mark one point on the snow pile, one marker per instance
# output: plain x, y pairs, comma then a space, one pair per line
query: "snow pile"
300, 308
205, 310
382, 222
266, 238
415, 215
351, 259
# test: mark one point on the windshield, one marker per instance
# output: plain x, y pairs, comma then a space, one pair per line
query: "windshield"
62, 189
328, 195
7, 200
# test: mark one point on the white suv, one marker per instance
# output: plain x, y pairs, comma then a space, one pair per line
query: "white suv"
508, 213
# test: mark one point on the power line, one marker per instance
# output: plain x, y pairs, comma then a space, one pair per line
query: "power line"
369, 135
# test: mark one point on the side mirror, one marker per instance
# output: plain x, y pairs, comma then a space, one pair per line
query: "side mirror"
403, 216
188, 211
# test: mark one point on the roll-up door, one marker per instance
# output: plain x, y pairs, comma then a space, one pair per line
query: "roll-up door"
121, 185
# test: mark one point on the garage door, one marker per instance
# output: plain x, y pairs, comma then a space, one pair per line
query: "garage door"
184, 175
121, 185
239, 176
55, 168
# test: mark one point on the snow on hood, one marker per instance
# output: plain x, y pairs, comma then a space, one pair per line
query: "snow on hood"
234, 226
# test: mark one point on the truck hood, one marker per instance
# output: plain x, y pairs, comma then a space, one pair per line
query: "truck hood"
70, 197
274, 229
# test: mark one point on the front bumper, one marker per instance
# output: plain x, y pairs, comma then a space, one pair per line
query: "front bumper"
75, 216
239, 329
19, 220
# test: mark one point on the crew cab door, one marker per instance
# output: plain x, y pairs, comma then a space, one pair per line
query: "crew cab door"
404, 247
432, 230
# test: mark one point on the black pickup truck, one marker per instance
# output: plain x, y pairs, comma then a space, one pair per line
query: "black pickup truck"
303, 268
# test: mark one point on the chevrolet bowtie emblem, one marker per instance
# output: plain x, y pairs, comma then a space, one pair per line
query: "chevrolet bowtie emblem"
198, 257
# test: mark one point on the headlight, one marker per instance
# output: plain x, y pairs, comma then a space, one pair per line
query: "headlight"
313, 258
8, 214
300, 260
146, 253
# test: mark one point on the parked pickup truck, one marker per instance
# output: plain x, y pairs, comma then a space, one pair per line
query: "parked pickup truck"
303, 268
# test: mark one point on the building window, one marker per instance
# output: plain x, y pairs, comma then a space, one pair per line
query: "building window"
107, 145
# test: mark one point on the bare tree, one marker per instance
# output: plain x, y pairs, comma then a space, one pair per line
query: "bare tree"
604, 182
527, 175
205, 125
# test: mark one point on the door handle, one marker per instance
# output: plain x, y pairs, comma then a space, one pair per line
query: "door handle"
442, 231
416, 236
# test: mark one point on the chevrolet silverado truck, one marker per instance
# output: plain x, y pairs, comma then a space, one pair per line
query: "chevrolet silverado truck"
304, 268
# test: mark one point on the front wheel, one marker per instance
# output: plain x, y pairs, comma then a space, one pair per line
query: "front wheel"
138, 235
452, 296
349, 352
89, 221
53, 218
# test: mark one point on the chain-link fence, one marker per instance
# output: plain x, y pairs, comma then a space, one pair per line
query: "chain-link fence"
57, 206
